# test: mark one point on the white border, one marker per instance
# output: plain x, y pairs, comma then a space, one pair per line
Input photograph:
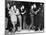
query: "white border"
2, 16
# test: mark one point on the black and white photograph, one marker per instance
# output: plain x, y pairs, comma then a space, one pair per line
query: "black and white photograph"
23, 17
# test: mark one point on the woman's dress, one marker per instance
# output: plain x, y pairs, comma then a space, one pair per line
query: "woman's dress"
13, 16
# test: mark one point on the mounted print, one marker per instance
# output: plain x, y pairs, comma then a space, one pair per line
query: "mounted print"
24, 17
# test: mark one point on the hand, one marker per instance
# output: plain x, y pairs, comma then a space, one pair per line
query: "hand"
24, 12
35, 13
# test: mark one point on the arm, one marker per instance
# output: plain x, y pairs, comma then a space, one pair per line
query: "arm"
37, 11
8, 8
9, 12
24, 12
17, 12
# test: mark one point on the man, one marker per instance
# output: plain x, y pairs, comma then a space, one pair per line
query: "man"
34, 16
23, 16
9, 25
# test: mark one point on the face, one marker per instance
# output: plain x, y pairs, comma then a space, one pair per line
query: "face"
14, 7
22, 7
34, 6
8, 5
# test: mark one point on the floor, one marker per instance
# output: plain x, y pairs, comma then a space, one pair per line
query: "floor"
22, 32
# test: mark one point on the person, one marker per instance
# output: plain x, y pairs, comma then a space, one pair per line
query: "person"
12, 14
34, 16
23, 16
19, 17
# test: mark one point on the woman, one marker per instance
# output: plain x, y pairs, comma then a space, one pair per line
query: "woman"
13, 17
19, 22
